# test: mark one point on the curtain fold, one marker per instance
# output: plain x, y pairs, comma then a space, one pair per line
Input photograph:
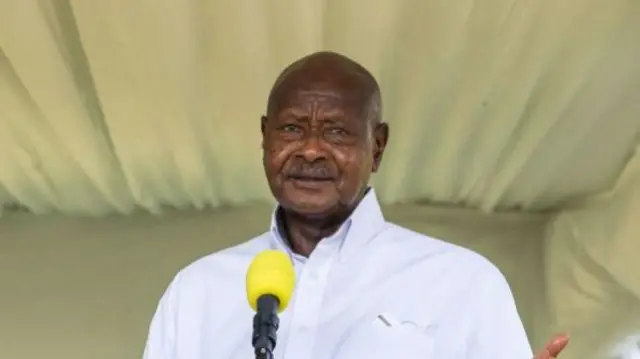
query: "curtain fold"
592, 268
494, 104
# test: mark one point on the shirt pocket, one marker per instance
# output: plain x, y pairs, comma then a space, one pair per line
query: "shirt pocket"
382, 338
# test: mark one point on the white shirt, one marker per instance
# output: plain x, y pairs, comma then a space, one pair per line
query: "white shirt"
373, 290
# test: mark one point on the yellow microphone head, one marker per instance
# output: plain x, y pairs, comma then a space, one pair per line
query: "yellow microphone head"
270, 273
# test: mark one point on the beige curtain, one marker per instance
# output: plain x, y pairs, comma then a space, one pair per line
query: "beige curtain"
592, 267
496, 104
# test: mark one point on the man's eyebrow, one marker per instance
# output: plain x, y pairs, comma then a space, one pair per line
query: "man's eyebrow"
323, 93
299, 111
335, 120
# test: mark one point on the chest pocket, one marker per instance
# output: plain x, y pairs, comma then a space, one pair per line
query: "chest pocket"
387, 338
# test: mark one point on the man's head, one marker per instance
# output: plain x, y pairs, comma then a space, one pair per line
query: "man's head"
322, 135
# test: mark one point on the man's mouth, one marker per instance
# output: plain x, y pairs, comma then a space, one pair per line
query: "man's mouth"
310, 183
311, 178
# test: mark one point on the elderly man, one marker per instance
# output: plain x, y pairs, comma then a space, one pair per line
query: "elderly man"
366, 288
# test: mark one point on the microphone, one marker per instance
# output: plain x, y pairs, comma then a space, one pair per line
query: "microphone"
270, 282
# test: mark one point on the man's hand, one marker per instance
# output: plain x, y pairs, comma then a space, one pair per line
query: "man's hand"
553, 347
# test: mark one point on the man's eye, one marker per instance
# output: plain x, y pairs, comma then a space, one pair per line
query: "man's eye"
337, 131
290, 128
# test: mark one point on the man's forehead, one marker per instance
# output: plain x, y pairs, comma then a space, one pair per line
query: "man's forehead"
320, 93
325, 77
306, 92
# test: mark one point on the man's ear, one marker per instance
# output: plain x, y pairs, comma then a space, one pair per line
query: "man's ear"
263, 124
263, 129
380, 138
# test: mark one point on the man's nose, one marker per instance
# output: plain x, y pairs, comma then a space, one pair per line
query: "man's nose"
312, 149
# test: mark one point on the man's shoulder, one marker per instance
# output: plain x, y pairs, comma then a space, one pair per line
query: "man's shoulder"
451, 258
225, 264
449, 276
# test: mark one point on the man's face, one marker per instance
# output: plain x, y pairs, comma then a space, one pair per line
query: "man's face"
319, 150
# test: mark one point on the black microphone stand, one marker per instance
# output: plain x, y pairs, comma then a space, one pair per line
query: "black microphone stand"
265, 326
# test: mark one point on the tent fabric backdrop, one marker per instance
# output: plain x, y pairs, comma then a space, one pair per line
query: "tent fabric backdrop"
498, 105
112, 105
592, 273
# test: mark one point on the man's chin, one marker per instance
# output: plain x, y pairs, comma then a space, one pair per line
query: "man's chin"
309, 207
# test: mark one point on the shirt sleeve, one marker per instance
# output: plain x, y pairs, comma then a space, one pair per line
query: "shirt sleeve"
161, 337
497, 331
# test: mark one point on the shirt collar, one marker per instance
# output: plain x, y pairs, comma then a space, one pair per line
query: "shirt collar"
363, 224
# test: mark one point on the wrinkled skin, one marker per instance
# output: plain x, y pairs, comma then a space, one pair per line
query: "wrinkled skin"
322, 140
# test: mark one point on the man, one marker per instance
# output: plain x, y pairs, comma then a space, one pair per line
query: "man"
365, 288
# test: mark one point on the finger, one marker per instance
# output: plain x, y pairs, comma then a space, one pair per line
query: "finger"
553, 347
557, 344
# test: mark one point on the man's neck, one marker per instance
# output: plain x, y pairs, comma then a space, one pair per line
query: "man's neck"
304, 234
